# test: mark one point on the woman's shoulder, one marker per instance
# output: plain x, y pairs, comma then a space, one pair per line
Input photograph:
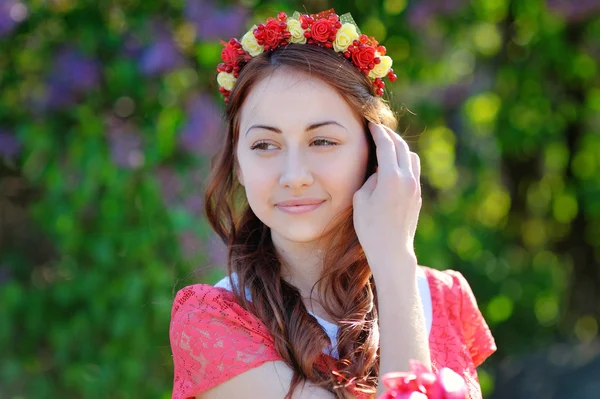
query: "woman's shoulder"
447, 284
213, 338
457, 316
199, 296
445, 278
451, 293
199, 303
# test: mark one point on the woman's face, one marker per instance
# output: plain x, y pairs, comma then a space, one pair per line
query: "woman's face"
299, 140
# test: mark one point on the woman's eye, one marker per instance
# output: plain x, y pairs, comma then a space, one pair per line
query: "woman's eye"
264, 145
261, 145
324, 142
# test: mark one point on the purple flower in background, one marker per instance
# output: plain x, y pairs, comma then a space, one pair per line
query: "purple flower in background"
190, 244
162, 54
9, 145
420, 14
423, 11
132, 46
170, 185
194, 203
575, 11
125, 144
74, 71
449, 7
214, 23
72, 74
454, 95
202, 131
12, 13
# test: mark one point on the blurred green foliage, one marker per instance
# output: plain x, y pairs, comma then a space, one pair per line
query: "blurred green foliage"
109, 111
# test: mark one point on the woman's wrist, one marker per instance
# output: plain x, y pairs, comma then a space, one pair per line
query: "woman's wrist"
393, 268
403, 333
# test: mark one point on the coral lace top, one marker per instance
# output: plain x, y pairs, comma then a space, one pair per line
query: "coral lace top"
214, 339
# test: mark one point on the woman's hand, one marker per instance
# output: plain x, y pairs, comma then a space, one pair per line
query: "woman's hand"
387, 206
386, 209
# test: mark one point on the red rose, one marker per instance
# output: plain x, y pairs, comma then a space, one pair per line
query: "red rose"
229, 55
363, 57
320, 30
272, 34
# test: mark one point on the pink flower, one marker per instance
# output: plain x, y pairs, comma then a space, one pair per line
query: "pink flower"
422, 384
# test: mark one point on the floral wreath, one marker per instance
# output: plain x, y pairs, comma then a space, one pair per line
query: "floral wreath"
325, 29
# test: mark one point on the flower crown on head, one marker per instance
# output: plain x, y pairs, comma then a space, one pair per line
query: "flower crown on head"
325, 29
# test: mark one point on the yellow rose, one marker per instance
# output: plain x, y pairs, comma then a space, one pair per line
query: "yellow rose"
381, 69
250, 44
344, 37
295, 28
226, 80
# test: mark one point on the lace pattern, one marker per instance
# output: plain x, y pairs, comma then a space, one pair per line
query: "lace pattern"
460, 338
214, 339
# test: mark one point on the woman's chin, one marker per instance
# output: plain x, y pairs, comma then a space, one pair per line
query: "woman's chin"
298, 234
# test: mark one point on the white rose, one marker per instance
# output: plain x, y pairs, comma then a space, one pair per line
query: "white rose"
250, 44
381, 69
226, 80
344, 37
295, 28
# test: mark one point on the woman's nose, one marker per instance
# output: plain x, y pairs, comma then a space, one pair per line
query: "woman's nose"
296, 172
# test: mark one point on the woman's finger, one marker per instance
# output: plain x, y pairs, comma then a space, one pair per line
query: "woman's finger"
366, 190
386, 149
415, 162
403, 158
370, 184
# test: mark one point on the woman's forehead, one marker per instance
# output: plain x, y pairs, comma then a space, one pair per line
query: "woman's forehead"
291, 98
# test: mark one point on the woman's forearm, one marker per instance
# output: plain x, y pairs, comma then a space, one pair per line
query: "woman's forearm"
402, 330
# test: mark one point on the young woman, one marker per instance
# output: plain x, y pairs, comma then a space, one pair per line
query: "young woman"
317, 199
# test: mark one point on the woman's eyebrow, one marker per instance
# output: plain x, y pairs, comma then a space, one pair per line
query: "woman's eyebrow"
308, 128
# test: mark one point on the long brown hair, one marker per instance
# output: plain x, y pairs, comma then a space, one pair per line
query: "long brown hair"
346, 288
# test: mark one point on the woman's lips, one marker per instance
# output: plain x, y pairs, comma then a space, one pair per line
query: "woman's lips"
298, 209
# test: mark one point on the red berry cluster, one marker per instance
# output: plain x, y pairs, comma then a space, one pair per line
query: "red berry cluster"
273, 33
321, 28
234, 57
363, 53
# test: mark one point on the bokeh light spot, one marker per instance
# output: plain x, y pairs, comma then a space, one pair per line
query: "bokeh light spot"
487, 38
546, 309
375, 28
437, 148
18, 12
534, 233
464, 243
584, 66
491, 10
124, 107
483, 108
556, 157
565, 208
494, 207
394, 7
499, 309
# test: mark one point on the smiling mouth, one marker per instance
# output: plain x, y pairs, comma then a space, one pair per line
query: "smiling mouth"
298, 209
